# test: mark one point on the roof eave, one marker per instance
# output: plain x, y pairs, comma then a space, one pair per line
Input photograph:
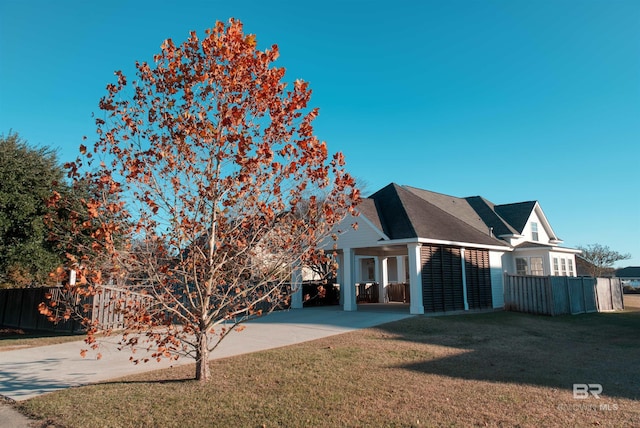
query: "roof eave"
445, 242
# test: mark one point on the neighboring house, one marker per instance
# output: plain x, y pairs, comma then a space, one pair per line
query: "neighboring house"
586, 268
452, 252
629, 276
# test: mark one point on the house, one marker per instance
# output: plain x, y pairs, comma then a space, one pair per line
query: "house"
449, 253
629, 276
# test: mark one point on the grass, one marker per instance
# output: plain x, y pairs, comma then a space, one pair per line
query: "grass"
12, 338
496, 369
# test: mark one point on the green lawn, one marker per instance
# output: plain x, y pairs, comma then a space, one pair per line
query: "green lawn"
496, 369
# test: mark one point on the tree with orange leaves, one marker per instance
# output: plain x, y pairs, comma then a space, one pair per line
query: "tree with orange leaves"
209, 189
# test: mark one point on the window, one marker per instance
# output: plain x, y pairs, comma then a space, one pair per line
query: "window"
537, 267
556, 267
563, 264
570, 267
534, 231
521, 266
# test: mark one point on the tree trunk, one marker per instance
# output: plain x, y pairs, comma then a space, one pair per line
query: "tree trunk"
202, 358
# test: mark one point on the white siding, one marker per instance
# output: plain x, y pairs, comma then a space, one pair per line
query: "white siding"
508, 263
543, 236
566, 257
365, 236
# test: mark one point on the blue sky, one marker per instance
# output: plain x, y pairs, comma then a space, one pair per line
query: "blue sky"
513, 100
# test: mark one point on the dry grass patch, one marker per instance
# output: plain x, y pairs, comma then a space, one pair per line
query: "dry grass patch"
15, 338
498, 369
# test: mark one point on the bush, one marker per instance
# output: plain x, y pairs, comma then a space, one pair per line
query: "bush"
320, 294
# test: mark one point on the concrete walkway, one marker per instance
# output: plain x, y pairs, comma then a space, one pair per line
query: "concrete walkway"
26, 373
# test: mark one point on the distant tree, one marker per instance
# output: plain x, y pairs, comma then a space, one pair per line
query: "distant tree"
601, 258
28, 178
209, 189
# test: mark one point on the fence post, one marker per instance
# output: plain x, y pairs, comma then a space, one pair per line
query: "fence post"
611, 281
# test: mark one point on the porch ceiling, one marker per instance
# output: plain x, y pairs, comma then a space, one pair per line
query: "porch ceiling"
385, 250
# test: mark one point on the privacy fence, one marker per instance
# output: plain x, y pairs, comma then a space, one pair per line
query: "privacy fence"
557, 295
19, 308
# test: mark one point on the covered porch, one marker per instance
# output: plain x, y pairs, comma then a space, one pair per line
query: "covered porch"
381, 276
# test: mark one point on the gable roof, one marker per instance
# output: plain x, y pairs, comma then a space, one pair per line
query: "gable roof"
406, 212
367, 207
516, 214
487, 212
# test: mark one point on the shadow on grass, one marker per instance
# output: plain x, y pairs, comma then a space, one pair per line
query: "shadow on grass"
545, 351
151, 382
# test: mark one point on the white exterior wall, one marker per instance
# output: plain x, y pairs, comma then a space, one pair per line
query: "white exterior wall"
365, 236
527, 234
508, 262
566, 257
543, 254
497, 278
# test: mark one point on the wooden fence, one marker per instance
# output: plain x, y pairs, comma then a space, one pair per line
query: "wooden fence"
609, 294
19, 308
556, 295
106, 306
398, 292
367, 292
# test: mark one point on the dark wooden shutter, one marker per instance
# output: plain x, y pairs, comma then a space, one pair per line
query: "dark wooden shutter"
478, 276
441, 278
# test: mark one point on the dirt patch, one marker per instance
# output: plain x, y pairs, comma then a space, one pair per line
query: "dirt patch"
632, 302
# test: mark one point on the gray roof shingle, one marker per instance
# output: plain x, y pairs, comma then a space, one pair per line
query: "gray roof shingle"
411, 213
516, 214
628, 272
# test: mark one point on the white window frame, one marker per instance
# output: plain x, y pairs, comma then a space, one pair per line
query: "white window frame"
539, 268
535, 236
520, 260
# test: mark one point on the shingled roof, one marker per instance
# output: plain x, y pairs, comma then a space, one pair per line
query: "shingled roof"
367, 208
516, 214
486, 210
405, 212
628, 272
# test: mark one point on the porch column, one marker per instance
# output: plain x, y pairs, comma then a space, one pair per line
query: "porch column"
376, 276
296, 288
415, 279
348, 284
384, 273
464, 280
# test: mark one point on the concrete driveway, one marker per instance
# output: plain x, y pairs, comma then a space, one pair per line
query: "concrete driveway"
26, 373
